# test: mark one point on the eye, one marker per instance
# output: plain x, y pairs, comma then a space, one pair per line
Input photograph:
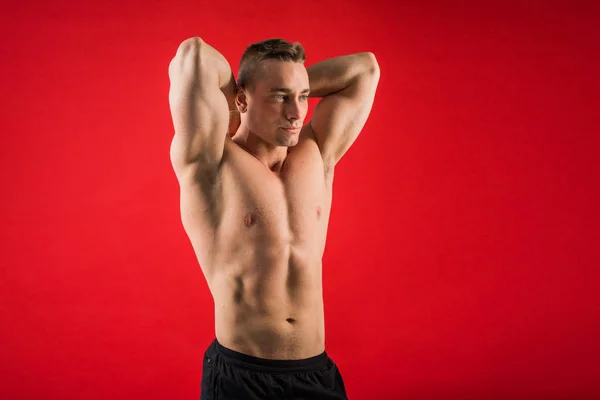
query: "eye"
279, 96
304, 97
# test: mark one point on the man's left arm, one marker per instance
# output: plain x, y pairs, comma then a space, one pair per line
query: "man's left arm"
347, 85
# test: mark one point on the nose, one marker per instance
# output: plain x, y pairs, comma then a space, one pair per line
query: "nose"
293, 110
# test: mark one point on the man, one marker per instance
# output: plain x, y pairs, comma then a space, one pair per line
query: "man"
255, 205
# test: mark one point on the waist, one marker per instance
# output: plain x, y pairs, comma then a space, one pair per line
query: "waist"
247, 361
276, 335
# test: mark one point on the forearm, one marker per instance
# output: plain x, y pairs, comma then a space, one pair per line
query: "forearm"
214, 59
335, 74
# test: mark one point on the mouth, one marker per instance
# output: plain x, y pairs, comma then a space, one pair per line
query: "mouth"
290, 129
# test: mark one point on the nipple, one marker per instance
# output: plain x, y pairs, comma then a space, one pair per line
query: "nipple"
249, 219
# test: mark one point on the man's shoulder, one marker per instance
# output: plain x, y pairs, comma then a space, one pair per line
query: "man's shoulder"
308, 146
307, 132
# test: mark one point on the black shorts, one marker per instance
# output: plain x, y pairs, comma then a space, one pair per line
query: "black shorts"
230, 375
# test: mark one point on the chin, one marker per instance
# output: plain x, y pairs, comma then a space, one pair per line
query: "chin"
287, 141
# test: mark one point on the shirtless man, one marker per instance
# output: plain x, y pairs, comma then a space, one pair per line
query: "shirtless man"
255, 195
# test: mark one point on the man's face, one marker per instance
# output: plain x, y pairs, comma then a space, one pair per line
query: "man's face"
278, 100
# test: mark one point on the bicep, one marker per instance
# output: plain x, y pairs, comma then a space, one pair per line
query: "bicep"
199, 111
339, 118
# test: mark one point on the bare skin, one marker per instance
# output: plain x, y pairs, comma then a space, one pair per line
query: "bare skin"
256, 203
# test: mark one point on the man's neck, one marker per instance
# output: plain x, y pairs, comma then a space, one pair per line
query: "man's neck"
270, 155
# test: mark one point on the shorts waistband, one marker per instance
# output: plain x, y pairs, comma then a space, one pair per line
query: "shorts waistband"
267, 365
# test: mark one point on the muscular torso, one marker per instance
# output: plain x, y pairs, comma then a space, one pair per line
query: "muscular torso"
259, 237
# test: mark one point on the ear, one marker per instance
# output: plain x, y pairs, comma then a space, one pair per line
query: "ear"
241, 100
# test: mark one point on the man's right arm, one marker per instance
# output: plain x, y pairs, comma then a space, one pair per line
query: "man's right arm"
201, 94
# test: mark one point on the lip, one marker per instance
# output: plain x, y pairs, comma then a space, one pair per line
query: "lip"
291, 129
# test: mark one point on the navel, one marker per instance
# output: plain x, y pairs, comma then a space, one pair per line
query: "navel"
318, 212
249, 219
290, 320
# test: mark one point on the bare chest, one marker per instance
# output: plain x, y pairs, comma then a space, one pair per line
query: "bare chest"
291, 207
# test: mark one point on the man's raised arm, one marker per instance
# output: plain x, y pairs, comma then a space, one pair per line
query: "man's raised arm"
347, 85
201, 94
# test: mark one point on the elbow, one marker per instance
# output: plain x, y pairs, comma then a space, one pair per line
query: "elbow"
367, 64
189, 45
187, 57
371, 63
369, 67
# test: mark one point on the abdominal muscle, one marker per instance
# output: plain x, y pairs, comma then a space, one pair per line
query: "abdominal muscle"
270, 306
259, 238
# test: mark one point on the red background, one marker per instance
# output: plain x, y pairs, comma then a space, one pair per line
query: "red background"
462, 256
